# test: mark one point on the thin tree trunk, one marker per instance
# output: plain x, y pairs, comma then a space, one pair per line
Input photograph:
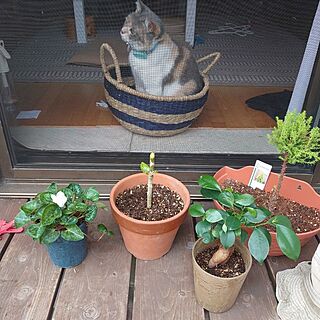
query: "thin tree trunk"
221, 256
276, 191
150, 180
149, 191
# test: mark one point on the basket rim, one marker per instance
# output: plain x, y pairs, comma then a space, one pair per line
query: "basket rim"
123, 87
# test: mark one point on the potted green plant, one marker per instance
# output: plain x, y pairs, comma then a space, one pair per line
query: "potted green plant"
58, 218
297, 143
221, 260
149, 208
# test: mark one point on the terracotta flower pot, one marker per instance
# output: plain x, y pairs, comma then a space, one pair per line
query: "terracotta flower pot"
214, 293
149, 240
293, 189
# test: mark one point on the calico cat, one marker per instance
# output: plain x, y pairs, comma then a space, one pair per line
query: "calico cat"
159, 65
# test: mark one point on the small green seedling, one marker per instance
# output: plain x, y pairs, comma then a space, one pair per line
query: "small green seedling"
149, 170
239, 215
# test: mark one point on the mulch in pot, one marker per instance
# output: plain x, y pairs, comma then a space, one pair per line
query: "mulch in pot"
165, 203
303, 218
232, 268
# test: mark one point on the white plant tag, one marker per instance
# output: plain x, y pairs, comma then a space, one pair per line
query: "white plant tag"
260, 175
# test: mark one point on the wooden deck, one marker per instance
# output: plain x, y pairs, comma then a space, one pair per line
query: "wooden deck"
111, 284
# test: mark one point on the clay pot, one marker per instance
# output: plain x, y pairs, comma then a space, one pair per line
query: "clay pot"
214, 293
293, 189
149, 240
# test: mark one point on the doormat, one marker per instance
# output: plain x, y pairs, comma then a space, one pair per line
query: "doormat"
118, 139
274, 104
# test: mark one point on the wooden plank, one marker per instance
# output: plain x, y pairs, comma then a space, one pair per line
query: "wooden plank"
27, 280
276, 264
98, 288
74, 104
164, 288
9, 208
256, 299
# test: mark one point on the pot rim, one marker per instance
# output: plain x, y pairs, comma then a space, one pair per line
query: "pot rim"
244, 274
307, 233
149, 223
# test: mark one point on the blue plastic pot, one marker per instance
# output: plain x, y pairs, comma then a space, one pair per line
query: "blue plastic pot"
68, 254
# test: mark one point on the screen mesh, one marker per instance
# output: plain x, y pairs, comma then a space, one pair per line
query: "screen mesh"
262, 42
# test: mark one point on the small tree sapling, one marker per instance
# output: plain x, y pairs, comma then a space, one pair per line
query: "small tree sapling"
224, 226
297, 142
149, 170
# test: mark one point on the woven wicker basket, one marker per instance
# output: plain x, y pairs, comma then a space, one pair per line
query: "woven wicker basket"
148, 114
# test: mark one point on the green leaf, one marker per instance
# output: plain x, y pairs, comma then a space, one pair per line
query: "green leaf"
31, 206
21, 219
76, 188
68, 193
226, 198
288, 242
196, 210
207, 237
202, 227
237, 232
91, 194
91, 213
45, 197
70, 209
216, 231
243, 236
102, 228
258, 245
35, 230
266, 212
144, 168
252, 211
101, 205
73, 233
67, 220
244, 199
227, 239
224, 228
81, 207
213, 216
233, 223
266, 233
50, 213
53, 188
209, 182
283, 220
259, 217
209, 194
49, 236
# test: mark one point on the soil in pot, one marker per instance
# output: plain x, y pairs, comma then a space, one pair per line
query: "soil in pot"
232, 268
303, 218
165, 203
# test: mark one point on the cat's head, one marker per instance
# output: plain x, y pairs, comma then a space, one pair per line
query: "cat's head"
142, 28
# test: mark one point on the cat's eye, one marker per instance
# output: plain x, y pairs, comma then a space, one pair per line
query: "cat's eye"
131, 31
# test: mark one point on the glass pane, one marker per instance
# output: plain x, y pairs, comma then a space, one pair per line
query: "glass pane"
52, 92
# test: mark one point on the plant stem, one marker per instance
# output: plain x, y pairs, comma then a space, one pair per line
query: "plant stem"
276, 191
150, 178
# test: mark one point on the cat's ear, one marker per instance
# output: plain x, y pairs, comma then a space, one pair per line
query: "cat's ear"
152, 27
140, 6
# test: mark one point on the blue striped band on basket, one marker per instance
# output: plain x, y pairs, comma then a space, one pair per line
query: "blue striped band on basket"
152, 116
158, 107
